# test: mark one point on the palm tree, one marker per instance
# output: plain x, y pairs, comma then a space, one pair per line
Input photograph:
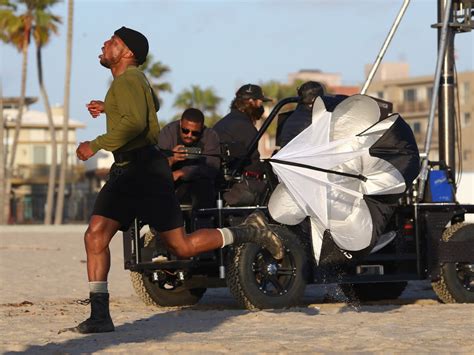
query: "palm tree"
3, 199
58, 219
45, 23
156, 71
205, 100
15, 30
6, 13
278, 91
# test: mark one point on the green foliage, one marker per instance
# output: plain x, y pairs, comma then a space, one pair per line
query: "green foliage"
278, 91
45, 23
155, 71
21, 19
205, 100
10, 24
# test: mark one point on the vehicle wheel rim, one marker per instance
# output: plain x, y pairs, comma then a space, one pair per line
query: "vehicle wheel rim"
465, 274
168, 284
274, 278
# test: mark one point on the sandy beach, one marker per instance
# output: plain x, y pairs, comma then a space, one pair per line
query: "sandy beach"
42, 274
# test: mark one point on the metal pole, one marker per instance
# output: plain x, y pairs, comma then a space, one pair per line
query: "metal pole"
385, 45
220, 224
441, 54
446, 110
254, 143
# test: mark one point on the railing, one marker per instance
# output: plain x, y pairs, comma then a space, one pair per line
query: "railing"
39, 173
412, 106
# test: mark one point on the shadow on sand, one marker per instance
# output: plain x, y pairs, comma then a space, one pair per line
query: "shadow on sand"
155, 328
205, 317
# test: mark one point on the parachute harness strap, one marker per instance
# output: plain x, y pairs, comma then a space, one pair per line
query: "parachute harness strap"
300, 165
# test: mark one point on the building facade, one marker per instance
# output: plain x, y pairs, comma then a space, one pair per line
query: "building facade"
328, 79
33, 158
411, 97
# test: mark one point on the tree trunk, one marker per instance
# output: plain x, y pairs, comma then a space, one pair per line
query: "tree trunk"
52, 131
3, 198
67, 85
12, 153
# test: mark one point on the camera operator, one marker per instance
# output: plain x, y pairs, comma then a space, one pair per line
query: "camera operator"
194, 174
294, 122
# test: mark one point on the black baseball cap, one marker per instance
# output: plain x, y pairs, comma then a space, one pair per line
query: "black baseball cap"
135, 41
250, 91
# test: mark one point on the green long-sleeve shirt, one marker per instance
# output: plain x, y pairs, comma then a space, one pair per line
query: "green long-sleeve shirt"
130, 112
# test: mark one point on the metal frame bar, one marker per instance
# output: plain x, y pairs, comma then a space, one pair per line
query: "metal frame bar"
385, 45
254, 144
434, 97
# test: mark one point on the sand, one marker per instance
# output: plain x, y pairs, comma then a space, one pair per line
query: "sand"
42, 274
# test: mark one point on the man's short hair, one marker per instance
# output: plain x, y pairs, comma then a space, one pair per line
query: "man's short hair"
193, 115
309, 91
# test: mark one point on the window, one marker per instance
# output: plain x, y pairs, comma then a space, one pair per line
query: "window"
39, 155
429, 93
467, 119
409, 95
466, 155
417, 127
466, 92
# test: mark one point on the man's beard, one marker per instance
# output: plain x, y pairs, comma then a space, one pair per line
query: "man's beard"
255, 113
104, 63
188, 143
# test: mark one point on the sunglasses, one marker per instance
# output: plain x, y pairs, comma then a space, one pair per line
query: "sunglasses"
193, 133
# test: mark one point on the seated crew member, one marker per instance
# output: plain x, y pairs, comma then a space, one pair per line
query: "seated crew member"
237, 128
193, 175
236, 131
298, 120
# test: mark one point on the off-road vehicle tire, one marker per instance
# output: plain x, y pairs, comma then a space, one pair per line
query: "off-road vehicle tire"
456, 283
153, 295
258, 281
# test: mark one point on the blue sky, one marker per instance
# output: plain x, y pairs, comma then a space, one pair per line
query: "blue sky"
224, 44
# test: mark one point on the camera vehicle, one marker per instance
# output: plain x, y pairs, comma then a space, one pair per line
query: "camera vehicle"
431, 242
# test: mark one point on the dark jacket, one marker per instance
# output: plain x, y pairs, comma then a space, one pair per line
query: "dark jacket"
202, 167
237, 131
295, 123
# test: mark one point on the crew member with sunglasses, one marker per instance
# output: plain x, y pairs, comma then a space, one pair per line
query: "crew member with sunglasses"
194, 172
140, 183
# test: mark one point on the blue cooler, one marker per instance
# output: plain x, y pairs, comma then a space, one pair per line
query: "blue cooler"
440, 189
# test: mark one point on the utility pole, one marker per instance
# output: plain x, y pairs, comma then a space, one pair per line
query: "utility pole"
460, 20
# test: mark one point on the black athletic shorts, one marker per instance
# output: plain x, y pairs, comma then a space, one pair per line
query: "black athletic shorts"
143, 188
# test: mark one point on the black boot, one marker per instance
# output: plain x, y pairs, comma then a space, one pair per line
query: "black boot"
257, 219
99, 321
264, 237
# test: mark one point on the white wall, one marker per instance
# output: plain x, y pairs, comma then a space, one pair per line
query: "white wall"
102, 159
465, 193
